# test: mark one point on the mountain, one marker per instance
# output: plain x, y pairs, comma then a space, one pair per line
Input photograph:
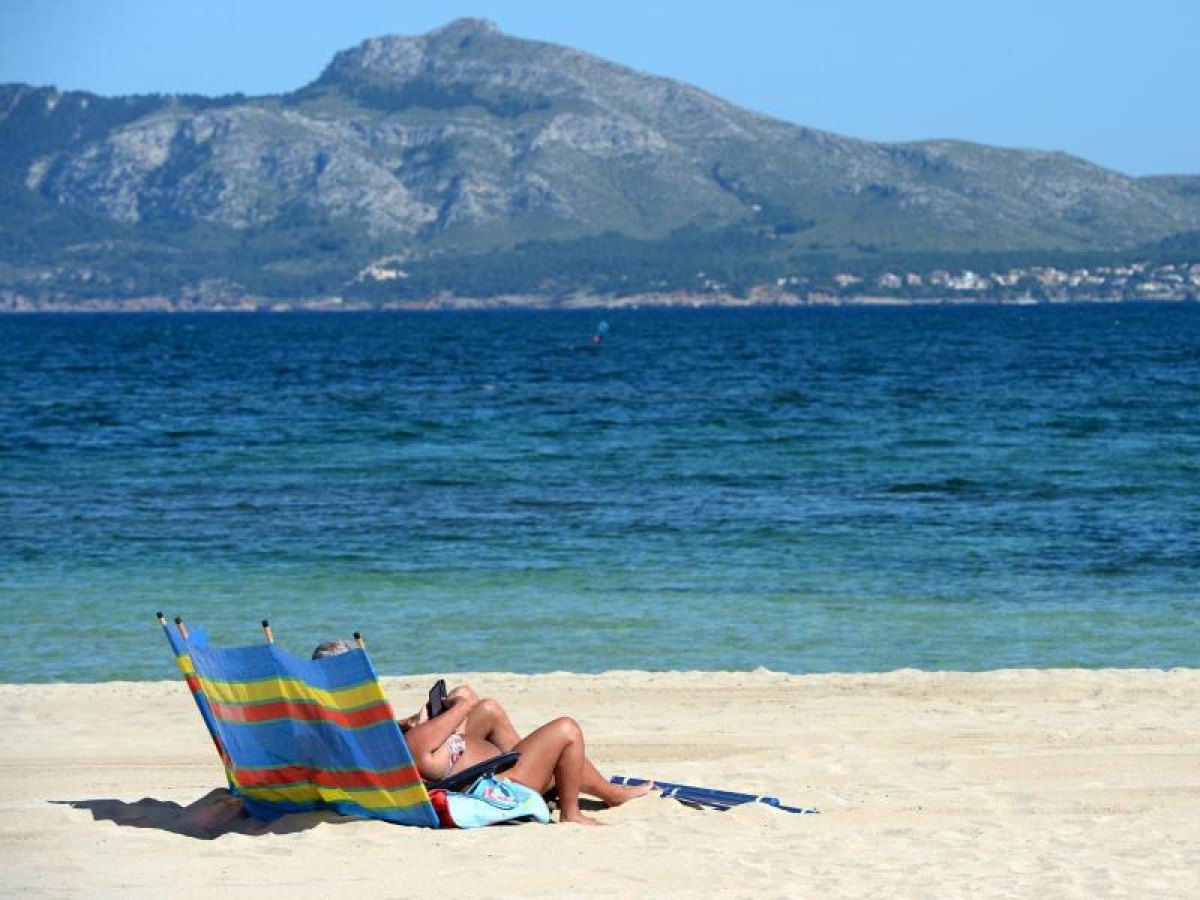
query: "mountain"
427, 155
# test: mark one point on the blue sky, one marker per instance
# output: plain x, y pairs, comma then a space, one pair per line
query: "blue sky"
1114, 81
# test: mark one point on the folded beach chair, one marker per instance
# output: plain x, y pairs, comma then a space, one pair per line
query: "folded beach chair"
297, 735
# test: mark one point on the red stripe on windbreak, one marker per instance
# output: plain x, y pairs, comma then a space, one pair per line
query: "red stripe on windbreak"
310, 712
193, 683
406, 776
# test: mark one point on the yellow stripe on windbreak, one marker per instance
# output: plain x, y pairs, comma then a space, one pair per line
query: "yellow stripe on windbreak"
185, 664
271, 689
370, 798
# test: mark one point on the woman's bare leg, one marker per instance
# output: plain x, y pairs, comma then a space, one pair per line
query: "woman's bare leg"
596, 785
489, 721
554, 754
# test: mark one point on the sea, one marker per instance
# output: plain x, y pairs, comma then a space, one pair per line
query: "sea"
803, 490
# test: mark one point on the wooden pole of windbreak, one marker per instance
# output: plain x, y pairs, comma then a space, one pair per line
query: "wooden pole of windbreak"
182, 628
358, 639
266, 627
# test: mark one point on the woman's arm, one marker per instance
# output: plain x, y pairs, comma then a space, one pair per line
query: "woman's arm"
426, 741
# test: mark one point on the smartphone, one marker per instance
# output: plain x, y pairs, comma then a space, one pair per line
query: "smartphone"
437, 699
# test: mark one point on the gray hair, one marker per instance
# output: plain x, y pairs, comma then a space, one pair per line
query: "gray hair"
331, 648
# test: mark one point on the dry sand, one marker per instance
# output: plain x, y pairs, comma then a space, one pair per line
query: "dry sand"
1000, 784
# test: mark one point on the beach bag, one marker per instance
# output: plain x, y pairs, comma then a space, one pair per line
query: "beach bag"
488, 801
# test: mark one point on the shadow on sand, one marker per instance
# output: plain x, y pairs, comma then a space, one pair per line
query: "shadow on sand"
218, 813
215, 814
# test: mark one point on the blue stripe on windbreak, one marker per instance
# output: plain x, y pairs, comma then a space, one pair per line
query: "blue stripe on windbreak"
423, 815
319, 745
265, 662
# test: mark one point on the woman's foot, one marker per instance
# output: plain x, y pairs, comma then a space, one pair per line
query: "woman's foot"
623, 793
213, 813
577, 818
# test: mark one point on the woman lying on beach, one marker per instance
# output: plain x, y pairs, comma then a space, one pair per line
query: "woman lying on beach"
472, 730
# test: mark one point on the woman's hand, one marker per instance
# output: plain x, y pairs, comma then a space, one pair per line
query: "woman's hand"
463, 692
463, 702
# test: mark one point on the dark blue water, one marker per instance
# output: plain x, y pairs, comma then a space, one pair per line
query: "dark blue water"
806, 490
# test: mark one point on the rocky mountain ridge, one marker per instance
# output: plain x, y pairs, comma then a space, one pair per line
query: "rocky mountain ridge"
466, 141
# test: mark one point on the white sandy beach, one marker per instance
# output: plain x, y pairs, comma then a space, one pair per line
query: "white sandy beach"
1000, 784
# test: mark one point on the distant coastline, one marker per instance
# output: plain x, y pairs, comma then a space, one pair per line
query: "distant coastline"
337, 306
1026, 286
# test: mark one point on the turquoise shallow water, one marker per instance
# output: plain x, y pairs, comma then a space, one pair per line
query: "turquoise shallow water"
806, 490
